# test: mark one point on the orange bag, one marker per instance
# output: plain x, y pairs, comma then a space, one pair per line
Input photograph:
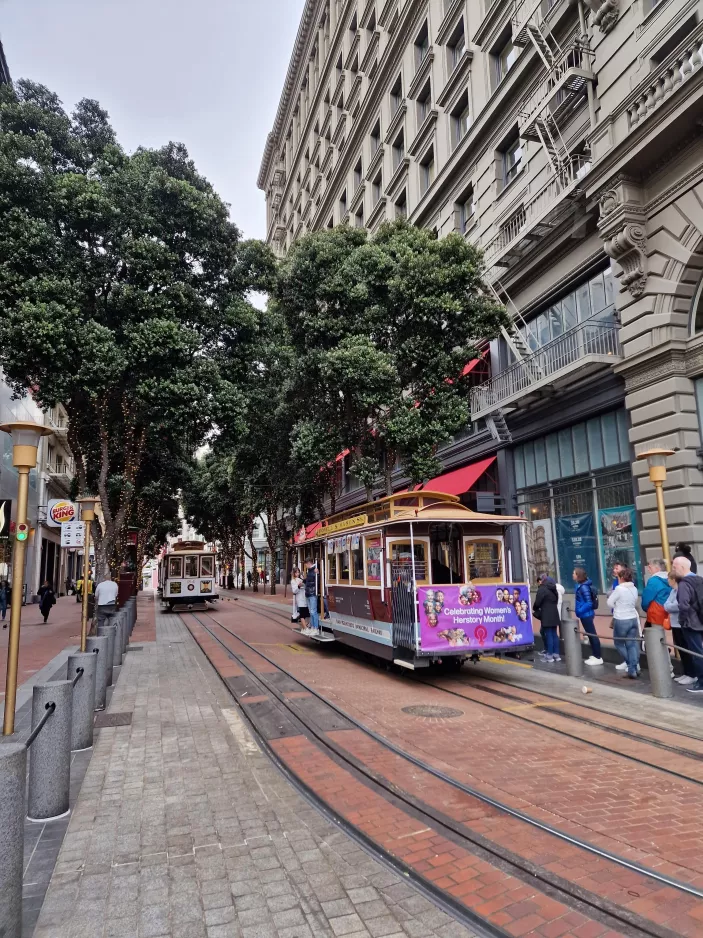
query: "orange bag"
656, 614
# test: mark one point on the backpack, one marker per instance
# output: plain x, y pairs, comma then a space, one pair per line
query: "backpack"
594, 596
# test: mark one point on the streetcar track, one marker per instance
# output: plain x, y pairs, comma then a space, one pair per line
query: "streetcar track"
480, 796
635, 737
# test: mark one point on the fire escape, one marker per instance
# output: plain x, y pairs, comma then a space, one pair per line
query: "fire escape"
565, 83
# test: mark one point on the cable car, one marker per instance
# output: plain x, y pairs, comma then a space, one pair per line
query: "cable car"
187, 578
417, 578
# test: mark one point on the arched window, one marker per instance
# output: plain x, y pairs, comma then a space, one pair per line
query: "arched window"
697, 310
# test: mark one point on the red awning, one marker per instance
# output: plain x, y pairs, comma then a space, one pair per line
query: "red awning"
471, 365
342, 455
459, 480
310, 531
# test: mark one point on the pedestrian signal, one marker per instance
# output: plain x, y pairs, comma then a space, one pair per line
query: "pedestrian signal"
22, 532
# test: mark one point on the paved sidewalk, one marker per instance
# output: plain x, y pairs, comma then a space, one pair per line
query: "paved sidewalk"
183, 828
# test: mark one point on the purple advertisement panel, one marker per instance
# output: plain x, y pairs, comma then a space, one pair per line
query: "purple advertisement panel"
475, 618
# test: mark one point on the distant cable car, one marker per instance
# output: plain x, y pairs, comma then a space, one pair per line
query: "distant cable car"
187, 576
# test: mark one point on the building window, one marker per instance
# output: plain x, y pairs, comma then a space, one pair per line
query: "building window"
376, 137
358, 174
401, 206
427, 171
461, 119
456, 46
359, 217
512, 161
424, 104
343, 204
505, 58
466, 210
398, 150
422, 45
372, 24
376, 189
396, 95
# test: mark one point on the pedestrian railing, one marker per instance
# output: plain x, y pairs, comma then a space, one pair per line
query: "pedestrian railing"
50, 709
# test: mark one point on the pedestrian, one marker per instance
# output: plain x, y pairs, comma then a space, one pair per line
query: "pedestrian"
296, 584
672, 608
546, 609
249, 578
4, 590
300, 600
311, 582
684, 550
617, 567
656, 593
690, 599
106, 600
47, 598
586, 602
626, 621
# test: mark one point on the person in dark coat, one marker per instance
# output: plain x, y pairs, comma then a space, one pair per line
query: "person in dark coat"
546, 609
47, 598
684, 550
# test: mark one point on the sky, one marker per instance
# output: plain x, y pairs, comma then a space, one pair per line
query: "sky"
208, 74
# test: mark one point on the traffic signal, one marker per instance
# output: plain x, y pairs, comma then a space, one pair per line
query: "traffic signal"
22, 532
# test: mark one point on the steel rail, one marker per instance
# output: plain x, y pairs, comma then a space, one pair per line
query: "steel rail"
50, 708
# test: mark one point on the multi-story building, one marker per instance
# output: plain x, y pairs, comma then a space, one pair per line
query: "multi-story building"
564, 139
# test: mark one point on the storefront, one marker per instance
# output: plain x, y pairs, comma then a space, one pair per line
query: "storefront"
575, 486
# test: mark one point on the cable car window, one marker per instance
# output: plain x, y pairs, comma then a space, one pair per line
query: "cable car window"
344, 567
373, 560
483, 560
401, 554
207, 566
358, 565
191, 566
331, 568
175, 567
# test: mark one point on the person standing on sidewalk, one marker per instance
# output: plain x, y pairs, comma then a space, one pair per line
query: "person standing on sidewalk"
656, 592
626, 621
546, 609
311, 580
47, 598
690, 600
672, 609
586, 599
106, 600
684, 550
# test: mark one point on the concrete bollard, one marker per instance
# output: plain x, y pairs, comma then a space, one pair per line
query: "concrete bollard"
98, 645
109, 632
125, 631
50, 753
13, 785
117, 647
83, 699
658, 661
572, 647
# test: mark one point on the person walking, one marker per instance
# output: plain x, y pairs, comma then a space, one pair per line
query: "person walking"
4, 590
690, 599
586, 600
311, 579
47, 598
672, 609
626, 621
546, 609
106, 600
249, 578
684, 550
656, 593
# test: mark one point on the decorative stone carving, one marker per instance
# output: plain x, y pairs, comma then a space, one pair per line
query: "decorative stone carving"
606, 14
623, 228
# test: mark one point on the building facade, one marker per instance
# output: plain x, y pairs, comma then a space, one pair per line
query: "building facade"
564, 139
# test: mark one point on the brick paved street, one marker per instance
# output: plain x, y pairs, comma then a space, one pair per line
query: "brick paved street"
183, 828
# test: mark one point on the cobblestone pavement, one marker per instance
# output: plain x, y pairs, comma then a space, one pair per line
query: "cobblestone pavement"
183, 828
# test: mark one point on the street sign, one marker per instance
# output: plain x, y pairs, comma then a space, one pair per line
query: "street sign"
5, 515
73, 534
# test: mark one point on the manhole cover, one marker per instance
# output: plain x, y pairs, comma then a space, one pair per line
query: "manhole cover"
427, 710
112, 719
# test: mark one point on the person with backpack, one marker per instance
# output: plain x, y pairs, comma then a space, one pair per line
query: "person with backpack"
626, 621
690, 599
672, 608
586, 603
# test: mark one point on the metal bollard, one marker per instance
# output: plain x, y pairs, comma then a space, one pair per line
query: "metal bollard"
572, 647
658, 661
50, 753
109, 632
13, 785
98, 645
82, 669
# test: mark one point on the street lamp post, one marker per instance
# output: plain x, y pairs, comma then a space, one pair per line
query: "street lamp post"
25, 441
87, 504
656, 461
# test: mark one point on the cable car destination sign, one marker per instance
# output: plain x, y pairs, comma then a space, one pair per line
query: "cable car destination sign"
357, 521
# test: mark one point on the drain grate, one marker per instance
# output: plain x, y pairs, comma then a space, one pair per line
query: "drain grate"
135, 648
103, 720
427, 710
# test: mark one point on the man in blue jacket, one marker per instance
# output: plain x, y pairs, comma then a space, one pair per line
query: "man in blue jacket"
311, 581
656, 591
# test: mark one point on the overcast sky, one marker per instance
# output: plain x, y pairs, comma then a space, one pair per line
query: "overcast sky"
208, 74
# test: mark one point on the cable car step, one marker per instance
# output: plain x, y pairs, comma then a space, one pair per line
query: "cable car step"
320, 637
411, 665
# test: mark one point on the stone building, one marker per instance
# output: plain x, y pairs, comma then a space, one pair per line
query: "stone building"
564, 139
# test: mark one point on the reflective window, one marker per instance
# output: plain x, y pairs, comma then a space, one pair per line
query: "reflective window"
373, 559
191, 566
175, 566
207, 566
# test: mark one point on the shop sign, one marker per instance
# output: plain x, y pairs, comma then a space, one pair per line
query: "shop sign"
60, 512
465, 617
5, 516
356, 522
576, 545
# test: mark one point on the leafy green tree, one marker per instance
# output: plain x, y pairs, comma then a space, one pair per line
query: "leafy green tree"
383, 327
122, 280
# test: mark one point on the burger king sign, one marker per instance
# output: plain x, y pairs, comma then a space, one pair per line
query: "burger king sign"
60, 512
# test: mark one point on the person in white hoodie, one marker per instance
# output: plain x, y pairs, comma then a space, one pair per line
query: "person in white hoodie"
626, 621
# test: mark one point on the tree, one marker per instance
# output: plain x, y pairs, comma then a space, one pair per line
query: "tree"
383, 327
121, 281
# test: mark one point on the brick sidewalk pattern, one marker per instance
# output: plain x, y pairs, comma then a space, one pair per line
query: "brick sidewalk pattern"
184, 829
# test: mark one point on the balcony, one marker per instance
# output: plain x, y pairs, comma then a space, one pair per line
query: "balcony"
561, 93
61, 474
585, 348
59, 426
538, 216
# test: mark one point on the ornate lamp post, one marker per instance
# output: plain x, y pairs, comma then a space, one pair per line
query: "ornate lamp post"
656, 461
87, 504
25, 441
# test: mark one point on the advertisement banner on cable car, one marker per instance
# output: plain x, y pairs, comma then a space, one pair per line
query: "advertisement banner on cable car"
483, 618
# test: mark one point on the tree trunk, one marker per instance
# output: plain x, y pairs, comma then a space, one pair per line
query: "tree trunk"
242, 566
254, 562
